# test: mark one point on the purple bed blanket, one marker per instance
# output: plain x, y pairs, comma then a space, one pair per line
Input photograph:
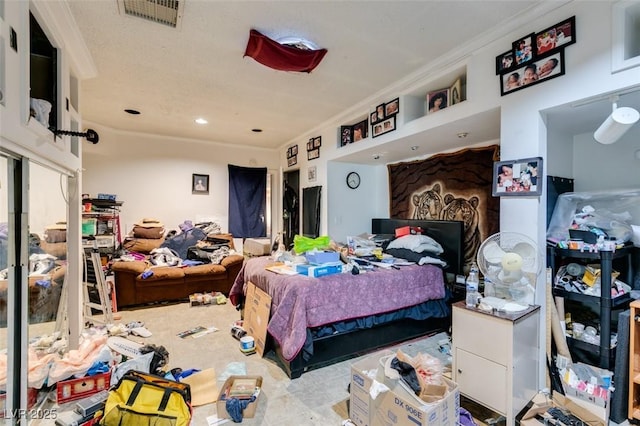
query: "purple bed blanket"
299, 301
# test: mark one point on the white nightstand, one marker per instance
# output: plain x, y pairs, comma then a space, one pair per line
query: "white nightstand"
495, 357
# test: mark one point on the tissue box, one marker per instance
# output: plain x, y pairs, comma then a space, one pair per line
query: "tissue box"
319, 270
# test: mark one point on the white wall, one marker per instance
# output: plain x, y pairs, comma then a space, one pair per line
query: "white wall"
354, 208
151, 175
621, 169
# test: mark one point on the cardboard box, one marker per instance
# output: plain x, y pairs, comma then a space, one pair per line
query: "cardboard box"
257, 309
70, 390
599, 396
540, 404
256, 247
397, 407
221, 403
318, 271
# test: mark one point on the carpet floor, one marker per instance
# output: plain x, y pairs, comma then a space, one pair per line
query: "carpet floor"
318, 397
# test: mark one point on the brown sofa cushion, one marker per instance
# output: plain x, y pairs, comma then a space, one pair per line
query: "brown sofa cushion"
55, 235
57, 274
231, 260
206, 269
137, 267
163, 273
58, 250
142, 245
151, 233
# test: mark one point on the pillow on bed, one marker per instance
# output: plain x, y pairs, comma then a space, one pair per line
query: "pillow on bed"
417, 243
419, 258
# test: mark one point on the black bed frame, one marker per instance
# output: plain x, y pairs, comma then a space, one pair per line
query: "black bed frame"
339, 347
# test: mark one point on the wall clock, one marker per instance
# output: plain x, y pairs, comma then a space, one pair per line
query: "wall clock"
353, 180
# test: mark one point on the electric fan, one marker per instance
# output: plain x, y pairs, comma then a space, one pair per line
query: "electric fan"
511, 262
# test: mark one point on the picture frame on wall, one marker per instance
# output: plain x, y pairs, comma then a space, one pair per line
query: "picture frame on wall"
360, 130
383, 127
312, 173
346, 135
380, 112
517, 177
523, 49
292, 161
392, 108
199, 184
313, 154
317, 142
542, 69
556, 36
505, 62
437, 100
373, 118
455, 92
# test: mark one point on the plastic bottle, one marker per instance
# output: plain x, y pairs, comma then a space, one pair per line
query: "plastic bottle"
473, 282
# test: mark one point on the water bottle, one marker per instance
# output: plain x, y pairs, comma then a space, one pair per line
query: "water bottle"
473, 282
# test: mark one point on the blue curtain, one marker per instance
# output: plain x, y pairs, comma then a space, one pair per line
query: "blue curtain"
247, 201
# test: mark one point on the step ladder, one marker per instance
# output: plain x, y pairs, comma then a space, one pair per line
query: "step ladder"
94, 276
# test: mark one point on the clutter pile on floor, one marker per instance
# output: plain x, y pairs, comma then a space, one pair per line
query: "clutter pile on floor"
112, 380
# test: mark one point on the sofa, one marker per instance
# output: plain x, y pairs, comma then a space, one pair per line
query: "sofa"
44, 296
172, 283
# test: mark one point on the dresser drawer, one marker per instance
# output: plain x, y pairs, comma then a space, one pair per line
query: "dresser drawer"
481, 380
489, 338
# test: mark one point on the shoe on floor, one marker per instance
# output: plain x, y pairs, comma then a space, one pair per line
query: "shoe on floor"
140, 331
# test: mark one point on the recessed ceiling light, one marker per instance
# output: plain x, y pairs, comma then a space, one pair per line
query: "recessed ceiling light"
463, 135
132, 111
201, 120
415, 147
256, 130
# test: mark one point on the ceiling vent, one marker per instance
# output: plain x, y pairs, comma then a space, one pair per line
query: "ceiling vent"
166, 12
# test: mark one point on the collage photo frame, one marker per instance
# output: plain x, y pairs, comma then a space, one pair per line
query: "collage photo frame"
354, 133
313, 148
292, 155
383, 119
536, 57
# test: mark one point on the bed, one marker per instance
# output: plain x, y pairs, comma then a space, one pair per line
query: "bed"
319, 321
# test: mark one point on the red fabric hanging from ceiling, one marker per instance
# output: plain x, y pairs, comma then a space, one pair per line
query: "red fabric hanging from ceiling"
281, 57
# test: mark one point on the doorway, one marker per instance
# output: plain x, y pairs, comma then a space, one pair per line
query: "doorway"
290, 207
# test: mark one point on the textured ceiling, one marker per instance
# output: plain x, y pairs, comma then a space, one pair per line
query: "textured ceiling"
173, 76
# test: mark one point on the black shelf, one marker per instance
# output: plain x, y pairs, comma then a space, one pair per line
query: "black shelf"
589, 353
619, 302
604, 302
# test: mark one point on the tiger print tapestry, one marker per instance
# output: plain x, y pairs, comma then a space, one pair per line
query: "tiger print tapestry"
451, 186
